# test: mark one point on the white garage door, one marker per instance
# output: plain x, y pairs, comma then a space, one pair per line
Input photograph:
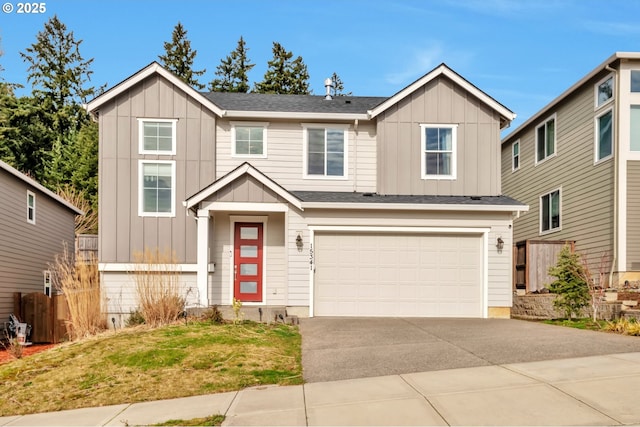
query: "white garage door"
398, 275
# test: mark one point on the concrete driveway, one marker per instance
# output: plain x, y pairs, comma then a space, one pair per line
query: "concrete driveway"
345, 348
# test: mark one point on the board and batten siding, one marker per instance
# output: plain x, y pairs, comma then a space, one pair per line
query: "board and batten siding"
284, 161
27, 249
478, 144
633, 216
122, 231
586, 189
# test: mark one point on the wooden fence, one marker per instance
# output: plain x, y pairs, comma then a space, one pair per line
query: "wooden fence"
532, 259
87, 247
47, 316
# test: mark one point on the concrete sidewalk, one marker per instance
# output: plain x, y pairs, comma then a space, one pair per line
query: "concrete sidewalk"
597, 390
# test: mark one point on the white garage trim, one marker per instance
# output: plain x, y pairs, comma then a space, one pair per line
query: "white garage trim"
422, 230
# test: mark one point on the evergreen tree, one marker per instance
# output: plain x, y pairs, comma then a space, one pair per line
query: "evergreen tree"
179, 57
337, 86
572, 292
233, 70
284, 75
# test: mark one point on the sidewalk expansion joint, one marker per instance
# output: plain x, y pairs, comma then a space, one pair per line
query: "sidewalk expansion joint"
426, 399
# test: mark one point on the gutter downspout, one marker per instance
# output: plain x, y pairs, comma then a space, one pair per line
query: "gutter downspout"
616, 165
355, 155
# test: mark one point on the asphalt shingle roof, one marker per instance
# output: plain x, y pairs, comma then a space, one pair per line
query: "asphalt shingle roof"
293, 103
357, 197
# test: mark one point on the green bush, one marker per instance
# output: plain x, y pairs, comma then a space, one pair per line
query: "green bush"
135, 318
572, 291
213, 315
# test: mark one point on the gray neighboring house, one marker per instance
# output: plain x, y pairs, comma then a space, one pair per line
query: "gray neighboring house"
576, 163
343, 206
35, 223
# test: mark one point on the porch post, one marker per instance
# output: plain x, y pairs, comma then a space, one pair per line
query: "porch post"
202, 278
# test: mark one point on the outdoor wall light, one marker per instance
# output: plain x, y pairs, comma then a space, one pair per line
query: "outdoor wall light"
299, 242
500, 244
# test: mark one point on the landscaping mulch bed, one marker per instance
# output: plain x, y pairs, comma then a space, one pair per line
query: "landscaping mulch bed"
5, 356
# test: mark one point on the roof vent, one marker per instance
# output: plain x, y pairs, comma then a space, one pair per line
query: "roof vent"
328, 84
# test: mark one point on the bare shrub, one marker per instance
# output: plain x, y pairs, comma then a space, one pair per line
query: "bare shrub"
12, 346
79, 281
156, 276
84, 224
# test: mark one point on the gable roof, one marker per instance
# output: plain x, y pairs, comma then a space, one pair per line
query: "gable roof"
243, 169
545, 110
154, 68
33, 183
443, 70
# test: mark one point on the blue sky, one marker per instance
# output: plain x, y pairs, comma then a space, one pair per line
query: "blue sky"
524, 53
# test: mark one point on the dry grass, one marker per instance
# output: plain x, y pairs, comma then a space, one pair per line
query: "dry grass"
156, 278
142, 364
84, 224
79, 281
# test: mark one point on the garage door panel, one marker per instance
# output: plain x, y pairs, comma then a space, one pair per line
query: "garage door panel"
362, 274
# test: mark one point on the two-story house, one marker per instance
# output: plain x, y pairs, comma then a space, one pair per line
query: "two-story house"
576, 163
35, 226
343, 206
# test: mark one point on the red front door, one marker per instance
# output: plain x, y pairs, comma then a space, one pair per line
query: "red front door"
247, 264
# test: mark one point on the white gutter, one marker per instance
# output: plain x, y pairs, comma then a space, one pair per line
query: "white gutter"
416, 207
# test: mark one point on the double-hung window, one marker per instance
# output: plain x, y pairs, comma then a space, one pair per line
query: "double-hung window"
31, 207
438, 153
604, 136
157, 187
550, 212
515, 156
249, 139
546, 139
325, 151
157, 136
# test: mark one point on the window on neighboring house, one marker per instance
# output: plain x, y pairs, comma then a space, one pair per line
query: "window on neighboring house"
326, 152
47, 283
249, 139
515, 156
31, 207
438, 154
635, 80
604, 135
604, 91
634, 143
550, 212
546, 139
157, 136
157, 188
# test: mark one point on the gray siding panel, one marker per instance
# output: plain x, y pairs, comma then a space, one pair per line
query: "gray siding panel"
27, 249
633, 216
122, 231
478, 153
587, 198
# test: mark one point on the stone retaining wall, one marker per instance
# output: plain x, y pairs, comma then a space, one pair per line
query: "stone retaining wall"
540, 307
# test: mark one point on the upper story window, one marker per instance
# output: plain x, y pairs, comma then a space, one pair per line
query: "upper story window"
635, 80
546, 139
604, 91
325, 151
604, 136
157, 136
249, 139
550, 212
157, 184
31, 207
515, 156
438, 154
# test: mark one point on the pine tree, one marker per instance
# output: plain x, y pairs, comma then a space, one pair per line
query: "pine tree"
179, 57
338, 86
284, 76
572, 292
233, 70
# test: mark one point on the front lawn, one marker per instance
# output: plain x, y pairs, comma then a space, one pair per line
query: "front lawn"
142, 364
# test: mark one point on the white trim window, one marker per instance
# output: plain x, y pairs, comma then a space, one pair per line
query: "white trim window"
438, 151
157, 136
156, 191
546, 139
31, 207
515, 156
249, 140
634, 131
47, 283
635, 81
326, 150
604, 91
604, 136
550, 211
